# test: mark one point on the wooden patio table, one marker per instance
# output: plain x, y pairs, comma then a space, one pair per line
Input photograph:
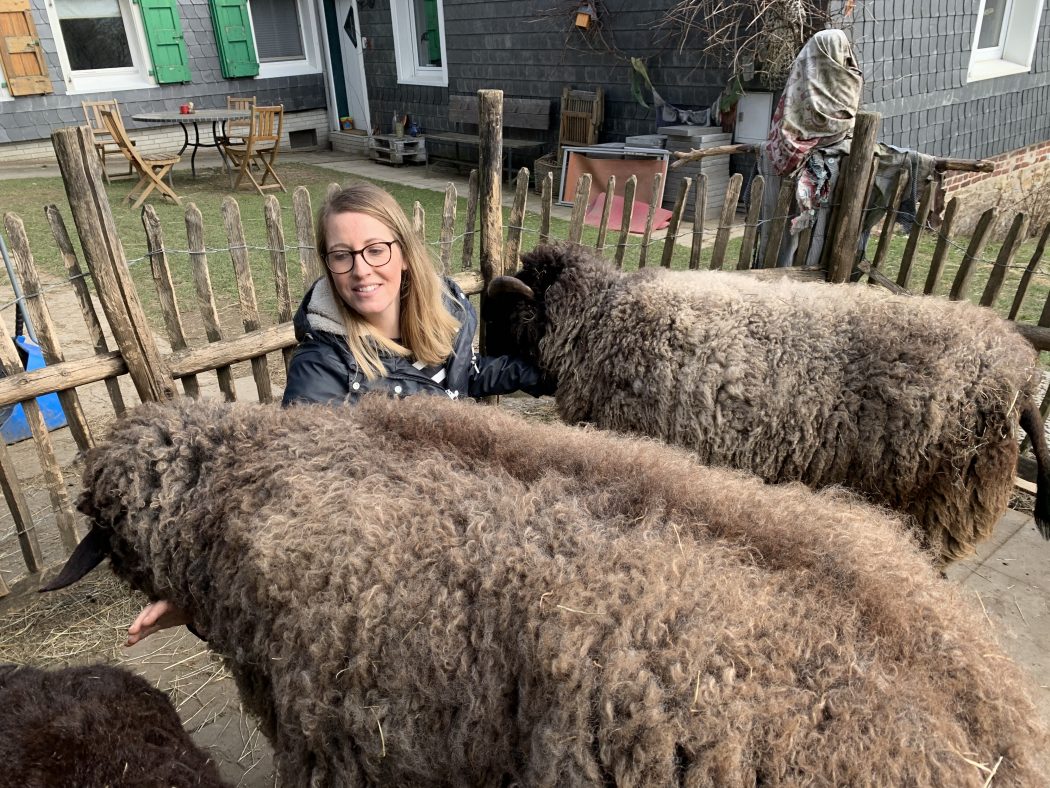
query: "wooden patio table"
218, 119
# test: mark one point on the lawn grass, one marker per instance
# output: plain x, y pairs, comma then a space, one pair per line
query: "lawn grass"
27, 197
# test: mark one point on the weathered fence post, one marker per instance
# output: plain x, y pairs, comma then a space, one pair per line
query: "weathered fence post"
490, 195
104, 253
844, 233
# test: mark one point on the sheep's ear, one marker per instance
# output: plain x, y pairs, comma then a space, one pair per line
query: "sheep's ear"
504, 285
92, 551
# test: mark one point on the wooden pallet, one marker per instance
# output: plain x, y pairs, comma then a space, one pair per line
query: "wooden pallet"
397, 150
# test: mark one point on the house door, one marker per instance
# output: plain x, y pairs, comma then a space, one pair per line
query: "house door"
355, 91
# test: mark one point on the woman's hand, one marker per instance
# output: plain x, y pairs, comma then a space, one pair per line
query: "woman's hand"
155, 617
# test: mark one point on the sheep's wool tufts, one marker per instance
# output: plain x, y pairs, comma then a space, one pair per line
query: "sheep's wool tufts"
911, 402
429, 593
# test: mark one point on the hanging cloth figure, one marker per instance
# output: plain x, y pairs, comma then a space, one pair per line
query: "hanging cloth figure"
813, 123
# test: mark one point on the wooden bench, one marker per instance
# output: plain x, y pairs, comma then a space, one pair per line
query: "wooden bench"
520, 114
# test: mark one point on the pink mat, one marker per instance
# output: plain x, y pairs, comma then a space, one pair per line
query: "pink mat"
661, 218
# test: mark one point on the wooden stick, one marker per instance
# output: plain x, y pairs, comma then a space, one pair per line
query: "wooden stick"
1026, 277
855, 175
754, 211
448, 227
79, 164
629, 188
964, 165
875, 275
50, 347
278, 265
517, 219
1014, 238
169, 305
471, 222
419, 222
940, 252
699, 206
87, 306
231, 218
725, 223
28, 542
890, 221
917, 229
579, 207
60, 377
603, 228
981, 233
490, 185
683, 157
56, 485
546, 199
309, 263
205, 296
671, 239
654, 199
778, 223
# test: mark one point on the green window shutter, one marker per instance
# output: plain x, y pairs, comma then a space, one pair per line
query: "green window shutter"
233, 34
167, 47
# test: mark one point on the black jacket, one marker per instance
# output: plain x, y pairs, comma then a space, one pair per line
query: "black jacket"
323, 369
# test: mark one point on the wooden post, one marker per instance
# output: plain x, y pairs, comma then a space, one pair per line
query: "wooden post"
671, 239
844, 233
629, 189
579, 207
471, 220
725, 222
279, 266
940, 252
546, 199
309, 264
654, 202
169, 304
754, 210
778, 223
603, 228
205, 296
890, 222
917, 229
448, 228
517, 221
82, 176
1014, 238
28, 541
961, 285
699, 206
1026, 277
87, 306
490, 182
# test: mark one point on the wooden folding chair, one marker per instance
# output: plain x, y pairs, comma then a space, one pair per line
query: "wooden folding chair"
261, 147
151, 167
236, 131
103, 139
582, 114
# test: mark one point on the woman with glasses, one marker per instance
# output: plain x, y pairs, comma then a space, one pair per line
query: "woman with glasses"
381, 319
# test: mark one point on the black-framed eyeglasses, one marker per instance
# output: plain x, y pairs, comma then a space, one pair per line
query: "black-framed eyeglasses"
376, 254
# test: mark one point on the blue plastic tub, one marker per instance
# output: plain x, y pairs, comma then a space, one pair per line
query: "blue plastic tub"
14, 427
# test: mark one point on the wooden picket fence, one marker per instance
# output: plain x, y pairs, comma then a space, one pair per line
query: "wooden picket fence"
154, 373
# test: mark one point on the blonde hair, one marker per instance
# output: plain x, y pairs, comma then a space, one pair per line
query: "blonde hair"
427, 328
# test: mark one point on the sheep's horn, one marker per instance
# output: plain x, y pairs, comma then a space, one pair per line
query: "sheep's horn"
92, 551
502, 285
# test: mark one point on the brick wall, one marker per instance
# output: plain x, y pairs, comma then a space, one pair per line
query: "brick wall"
1020, 183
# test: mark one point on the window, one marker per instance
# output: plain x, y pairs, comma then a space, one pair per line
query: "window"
106, 45
285, 37
419, 42
1004, 38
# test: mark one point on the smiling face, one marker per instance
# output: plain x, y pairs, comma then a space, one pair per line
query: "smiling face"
373, 293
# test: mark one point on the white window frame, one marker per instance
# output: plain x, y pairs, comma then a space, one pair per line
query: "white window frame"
105, 80
409, 72
310, 63
1016, 50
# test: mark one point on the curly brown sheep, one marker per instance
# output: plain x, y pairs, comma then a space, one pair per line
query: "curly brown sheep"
429, 593
913, 403
94, 726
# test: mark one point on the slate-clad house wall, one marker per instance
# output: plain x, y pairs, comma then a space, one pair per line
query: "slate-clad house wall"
915, 57
25, 118
521, 48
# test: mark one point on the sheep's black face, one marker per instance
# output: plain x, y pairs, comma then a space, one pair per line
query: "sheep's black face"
516, 318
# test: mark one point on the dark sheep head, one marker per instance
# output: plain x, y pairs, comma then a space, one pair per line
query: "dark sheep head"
515, 312
136, 465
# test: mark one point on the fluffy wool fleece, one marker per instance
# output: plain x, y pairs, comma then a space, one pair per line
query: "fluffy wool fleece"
94, 726
429, 593
911, 402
